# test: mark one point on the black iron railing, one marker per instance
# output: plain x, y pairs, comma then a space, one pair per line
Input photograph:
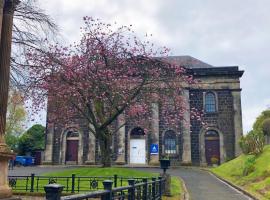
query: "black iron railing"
145, 190
72, 184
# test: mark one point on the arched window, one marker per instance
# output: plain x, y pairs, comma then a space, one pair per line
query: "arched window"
210, 102
170, 142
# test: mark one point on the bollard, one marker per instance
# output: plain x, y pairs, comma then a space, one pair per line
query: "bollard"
115, 180
53, 191
107, 184
131, 191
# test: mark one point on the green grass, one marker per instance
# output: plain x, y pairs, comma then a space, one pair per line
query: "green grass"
176, 186
257, 182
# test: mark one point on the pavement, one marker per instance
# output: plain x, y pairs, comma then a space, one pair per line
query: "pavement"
200, 184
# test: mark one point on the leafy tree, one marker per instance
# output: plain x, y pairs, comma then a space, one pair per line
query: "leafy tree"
266, 127
259, 121
33, 139
109, 72
16, 115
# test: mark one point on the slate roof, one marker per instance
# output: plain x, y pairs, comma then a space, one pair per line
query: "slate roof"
187, 61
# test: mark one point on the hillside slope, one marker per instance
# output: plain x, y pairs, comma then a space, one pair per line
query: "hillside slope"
249, 172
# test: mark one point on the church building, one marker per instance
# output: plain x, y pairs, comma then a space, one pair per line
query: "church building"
217, 92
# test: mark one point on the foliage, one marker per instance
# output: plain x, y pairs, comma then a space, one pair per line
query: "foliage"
33, 139
214, 160
256, 181
259, 121
266, 126
108, 73
249, 165
16, 115
252, 143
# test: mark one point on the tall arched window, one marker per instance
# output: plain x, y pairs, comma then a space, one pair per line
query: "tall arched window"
170, 142
210, 102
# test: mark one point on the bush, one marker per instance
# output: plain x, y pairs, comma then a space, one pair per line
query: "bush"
266, 127
252, 143
249, 165
214, 160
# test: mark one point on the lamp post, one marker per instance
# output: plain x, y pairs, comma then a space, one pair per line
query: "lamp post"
7, 8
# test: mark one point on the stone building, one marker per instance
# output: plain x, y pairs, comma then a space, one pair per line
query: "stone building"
217, 92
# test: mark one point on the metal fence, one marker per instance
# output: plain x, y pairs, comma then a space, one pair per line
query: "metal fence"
72, 184
145, 190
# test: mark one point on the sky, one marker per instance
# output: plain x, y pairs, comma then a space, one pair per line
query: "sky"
221, 33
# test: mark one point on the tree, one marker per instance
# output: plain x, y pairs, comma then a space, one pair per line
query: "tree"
31, 26
109, 72
259, 121
266, 126
16, 115
33, 139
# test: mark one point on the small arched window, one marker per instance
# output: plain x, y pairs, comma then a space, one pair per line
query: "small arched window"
210, 102
170, 142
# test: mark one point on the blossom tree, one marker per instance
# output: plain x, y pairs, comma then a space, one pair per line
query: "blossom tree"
109, 72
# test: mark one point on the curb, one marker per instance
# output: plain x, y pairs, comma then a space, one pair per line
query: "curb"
233, 185
185, 195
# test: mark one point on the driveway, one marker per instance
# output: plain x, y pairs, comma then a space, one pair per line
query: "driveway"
204, 186
200, 184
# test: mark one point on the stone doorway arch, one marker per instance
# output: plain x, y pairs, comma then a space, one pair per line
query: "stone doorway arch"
71, 147
217, 139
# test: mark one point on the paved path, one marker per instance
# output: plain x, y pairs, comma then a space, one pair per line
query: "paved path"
200, 184
204, 186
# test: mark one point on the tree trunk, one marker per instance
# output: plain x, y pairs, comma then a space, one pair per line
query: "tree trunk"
105, 142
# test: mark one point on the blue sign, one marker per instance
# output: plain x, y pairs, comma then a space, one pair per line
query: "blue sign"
154, 149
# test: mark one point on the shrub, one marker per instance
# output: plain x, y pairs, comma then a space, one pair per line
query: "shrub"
252, 143
266, 127
249, 165
214, 160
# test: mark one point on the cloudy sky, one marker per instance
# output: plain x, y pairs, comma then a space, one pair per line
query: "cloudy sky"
221, 33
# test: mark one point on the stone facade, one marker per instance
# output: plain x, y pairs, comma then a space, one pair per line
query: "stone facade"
194, 143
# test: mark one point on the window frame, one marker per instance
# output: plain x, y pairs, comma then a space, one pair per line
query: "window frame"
211, 104
170, 142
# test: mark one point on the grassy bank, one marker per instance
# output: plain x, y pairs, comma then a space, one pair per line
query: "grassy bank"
249, 172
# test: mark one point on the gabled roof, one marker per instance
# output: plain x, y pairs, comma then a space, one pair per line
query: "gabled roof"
187, 61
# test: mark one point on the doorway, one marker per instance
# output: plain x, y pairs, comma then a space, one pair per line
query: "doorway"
212, 147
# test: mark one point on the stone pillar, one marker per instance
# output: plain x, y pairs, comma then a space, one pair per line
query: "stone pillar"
91, 148
5, 51
154, 158
186, 156
121, 141
49, 144
238, 129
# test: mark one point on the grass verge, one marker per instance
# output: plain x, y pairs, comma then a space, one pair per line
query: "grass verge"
251, 173
176, 184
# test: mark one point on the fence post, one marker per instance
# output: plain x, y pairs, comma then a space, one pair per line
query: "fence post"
73, 176
32, 182
115, 180
153, 188
131, 191
145, 188
107, 184
53, 191
160, 186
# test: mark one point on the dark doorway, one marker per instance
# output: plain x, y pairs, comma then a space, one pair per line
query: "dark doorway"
72, 146
212, 147
72, 150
